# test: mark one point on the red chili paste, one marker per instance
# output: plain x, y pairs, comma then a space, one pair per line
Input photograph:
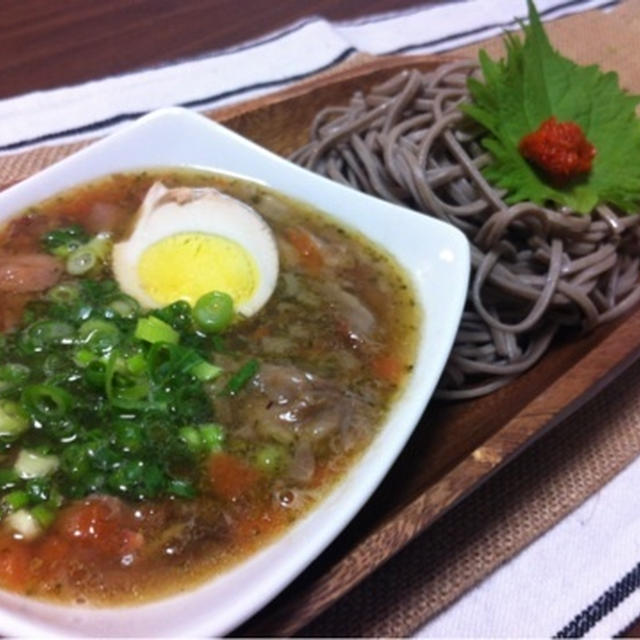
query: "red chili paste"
560, 149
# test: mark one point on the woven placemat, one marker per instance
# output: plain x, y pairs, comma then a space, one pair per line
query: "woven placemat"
530, 495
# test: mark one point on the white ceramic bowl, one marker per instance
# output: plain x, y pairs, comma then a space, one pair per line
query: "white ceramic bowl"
434, 254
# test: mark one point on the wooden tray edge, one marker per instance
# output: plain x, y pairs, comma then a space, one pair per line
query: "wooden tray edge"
231, 112
612, 355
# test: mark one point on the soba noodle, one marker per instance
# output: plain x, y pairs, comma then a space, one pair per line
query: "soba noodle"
534, 269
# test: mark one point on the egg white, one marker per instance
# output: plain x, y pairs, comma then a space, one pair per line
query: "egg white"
168, 212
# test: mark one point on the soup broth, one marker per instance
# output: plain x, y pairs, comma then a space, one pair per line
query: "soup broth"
135, 466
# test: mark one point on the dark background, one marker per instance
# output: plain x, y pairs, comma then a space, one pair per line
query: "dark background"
51, 43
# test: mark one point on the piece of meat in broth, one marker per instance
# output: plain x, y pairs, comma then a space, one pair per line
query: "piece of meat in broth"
22, 275
28, 272
302, 410
354, 316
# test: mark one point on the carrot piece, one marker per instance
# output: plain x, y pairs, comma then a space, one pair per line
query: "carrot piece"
53, 548
130, 541
230, 476
388, 368
15, 564
308, 250
53, 552
99, 523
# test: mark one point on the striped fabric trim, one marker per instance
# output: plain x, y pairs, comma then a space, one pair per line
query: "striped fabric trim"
451, 41
60, 115
206, 102
603, 606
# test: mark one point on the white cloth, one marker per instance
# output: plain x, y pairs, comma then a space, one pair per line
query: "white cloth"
267, 64
580, 577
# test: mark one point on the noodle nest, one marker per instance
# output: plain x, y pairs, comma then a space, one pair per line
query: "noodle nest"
534, 270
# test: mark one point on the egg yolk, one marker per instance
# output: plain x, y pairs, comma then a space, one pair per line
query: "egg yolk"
185, 266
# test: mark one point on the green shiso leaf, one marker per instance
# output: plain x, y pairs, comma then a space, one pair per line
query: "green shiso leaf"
531, 84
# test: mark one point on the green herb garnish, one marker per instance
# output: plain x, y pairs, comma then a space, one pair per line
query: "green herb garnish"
98, 395
534, 83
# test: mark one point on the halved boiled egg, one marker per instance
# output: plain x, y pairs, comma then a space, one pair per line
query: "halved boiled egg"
190, 241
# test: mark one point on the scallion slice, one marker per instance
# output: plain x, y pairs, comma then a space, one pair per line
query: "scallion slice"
98, 335
16, 499
212, 436
46, 401
13, 375
241, 377
154, 330
24, 523
30, 464
13, 419
44, 514
206, 371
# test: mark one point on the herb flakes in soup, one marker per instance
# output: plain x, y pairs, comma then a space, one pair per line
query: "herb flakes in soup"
155, 429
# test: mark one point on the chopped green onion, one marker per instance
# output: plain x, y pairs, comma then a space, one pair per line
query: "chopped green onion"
177, 314
206, 371
165, 360
101, 245
181, 489
8, 479
136, 364
205, 438
61, 242
38, 489
45, 333
45, 401
55, 498
24, 523
137, 479
101, 455
53, 364
75, 461
95, 374
124, 306
152, 367
81, 261
153, 330
94, 482
212, 436
213, 312
128, 436
13, 419
30, 464
83, 357
241, 377
13, 375
16, 500
44, 515
191, 437
99, 336
64, 293
109, 373
136, 391
90, 255
64, 430
270, 458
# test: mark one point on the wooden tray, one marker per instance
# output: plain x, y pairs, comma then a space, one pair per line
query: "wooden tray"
456, 447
